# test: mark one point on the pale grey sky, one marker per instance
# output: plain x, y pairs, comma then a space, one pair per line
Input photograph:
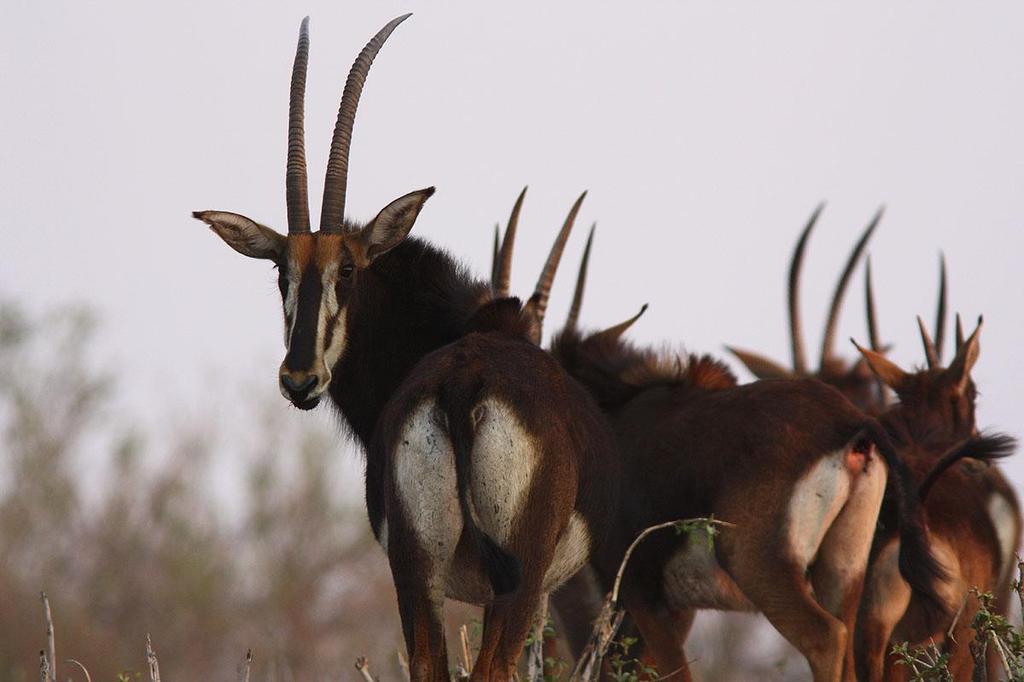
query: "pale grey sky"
705, 132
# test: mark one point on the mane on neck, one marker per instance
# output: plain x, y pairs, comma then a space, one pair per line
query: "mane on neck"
411, 301
615, 371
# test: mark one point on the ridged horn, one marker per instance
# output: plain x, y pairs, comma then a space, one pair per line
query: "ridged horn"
869, 301
581, 282
940, 312
296, 182
504, 269
332, 214
929, 348
494, 257
539, 301
613, 333
796, 337
829, 337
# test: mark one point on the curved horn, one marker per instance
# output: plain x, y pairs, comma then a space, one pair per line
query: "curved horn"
295, 181
796, 337
869, 300
504, 269
929, 348
760, 366
829, 337
940, 312
581, 281
494, 257
613, 333
332, 214
539, 301
959, 333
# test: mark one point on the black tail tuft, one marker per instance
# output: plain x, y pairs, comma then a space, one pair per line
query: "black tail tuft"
503, 570
918, 564
984, 447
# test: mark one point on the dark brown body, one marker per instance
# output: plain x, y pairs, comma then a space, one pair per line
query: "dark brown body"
488, 437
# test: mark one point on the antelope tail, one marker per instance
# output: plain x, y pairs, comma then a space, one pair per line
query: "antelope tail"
984, 447
502, 568
918, 564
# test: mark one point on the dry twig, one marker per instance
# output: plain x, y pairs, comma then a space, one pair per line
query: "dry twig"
85, 671
363, 666
467, 662
245, 667
44, 667
50, 645
154, 665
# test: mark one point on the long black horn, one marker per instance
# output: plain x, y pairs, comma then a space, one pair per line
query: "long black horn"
539, 300
494, 258
295, 181
504, 270
796, 337
829, 337
869, 300
581, 281
332, 214
929, 348
940, 313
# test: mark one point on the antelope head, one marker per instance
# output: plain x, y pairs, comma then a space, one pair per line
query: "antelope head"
936, 403
318, 271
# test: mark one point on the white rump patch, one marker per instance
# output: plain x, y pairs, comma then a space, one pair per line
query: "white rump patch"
504, 458
1004, 519
817, 498
424, 470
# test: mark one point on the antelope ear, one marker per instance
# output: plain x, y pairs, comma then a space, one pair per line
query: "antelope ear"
245, 236
959, 370
391, 225
760, 366
889, 372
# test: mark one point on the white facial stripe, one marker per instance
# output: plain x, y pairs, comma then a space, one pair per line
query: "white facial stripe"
291, 303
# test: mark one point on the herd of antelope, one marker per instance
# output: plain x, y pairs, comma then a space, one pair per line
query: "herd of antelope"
498, 471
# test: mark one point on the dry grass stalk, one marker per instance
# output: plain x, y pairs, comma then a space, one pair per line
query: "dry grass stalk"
467, 661
44, 667
403, 664
154, 665
535, 660
85, 671
246, 666
50, 644
363, 666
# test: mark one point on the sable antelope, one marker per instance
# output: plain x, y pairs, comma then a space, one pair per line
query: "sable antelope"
855, 381
973, 516
798, 469
362, 304
499, 476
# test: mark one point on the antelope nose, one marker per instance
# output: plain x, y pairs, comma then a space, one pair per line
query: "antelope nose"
297, 386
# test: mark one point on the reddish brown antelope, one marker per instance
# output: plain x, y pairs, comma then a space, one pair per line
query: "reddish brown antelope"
973, 516
499, 476
798, 470
855, 381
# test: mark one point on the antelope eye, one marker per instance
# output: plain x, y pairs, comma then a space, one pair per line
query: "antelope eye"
347, 270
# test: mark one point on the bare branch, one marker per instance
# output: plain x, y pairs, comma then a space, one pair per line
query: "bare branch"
246, 666
363, 666
154, 665
44, 667
85, 671
50, 645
